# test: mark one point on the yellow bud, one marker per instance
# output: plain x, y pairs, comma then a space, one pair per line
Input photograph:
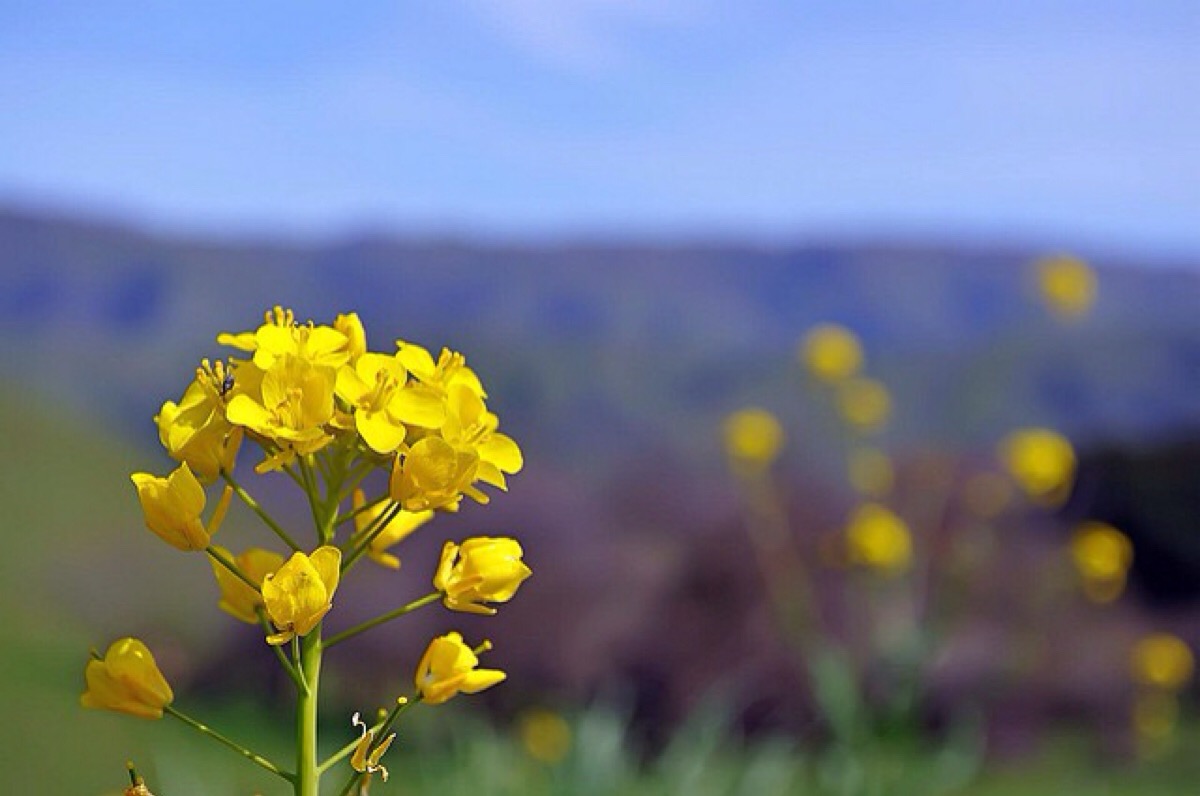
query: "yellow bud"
545, 735
448, 668
481, 570
831, 352
127, 680
1101, 555
172, 507
864, 403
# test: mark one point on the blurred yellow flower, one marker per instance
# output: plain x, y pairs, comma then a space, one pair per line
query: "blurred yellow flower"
545, 735
127, 680
870, 472
172, 507
397, 529
1102, 556
831, 352
1067, 284
300, 593
1163, 661
987, 494
238, 599
1042, 463
480, 570
448, 668
753, 437
877, 538
864, 403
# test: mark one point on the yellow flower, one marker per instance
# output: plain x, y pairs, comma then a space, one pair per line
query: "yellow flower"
481, 570
831, 352
365, 760
1102, 556
356, 336
469, 425
879, 539
448, 668
1162, 660
127, 680
1042, 463
320, 346
195, 430
864, 403
300, 593
870, 472
449, 369
545, 735
294, 404
237, 599
753, 437
434, 475
396, 530
375, 387
1067, 285
172, 507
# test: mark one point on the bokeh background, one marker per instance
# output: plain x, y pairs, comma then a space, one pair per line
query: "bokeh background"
628, 215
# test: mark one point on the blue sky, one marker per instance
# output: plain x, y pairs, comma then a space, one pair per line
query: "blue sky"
1071, 122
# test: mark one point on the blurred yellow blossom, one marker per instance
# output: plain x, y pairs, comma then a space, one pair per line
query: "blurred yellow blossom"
1041, 461
237, 598
300, 593
395, 531
172, 507
864, 403
831, 352
1067, 284
870, 472
448, 668
879, 539
127, 680
480, 570
1102, 556
545, 735
1163, 661
753, 437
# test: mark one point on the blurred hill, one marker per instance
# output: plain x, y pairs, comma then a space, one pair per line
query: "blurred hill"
597, 352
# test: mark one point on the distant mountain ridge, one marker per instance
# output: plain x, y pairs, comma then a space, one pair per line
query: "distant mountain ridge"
613, 349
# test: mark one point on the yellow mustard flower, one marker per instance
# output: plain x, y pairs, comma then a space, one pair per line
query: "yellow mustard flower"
1162, 660
545, 735
1102, 556
433, 474
248, 341
449, 369
172, 507
831, 352
238, 599
349, 324
300, 593
396, 530
1041, 461
753, 437
879, 539
1067, 285
195, 430
864, 403
448, 668
127, 680
365, 760
870, 472
481, 570
469, 425
375, 386
294, 404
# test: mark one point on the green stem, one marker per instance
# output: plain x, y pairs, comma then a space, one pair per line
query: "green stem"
401, 706
365, 507
226, 562
379, 620
308, 776
253, 757
257, 509
373, 530
279, 653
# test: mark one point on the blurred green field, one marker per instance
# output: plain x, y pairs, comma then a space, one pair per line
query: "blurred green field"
76, 574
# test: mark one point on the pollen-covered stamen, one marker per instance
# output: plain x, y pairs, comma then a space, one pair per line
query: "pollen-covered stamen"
216, 378
278, 316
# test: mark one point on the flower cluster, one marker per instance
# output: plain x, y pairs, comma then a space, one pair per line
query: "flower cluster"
326, 412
